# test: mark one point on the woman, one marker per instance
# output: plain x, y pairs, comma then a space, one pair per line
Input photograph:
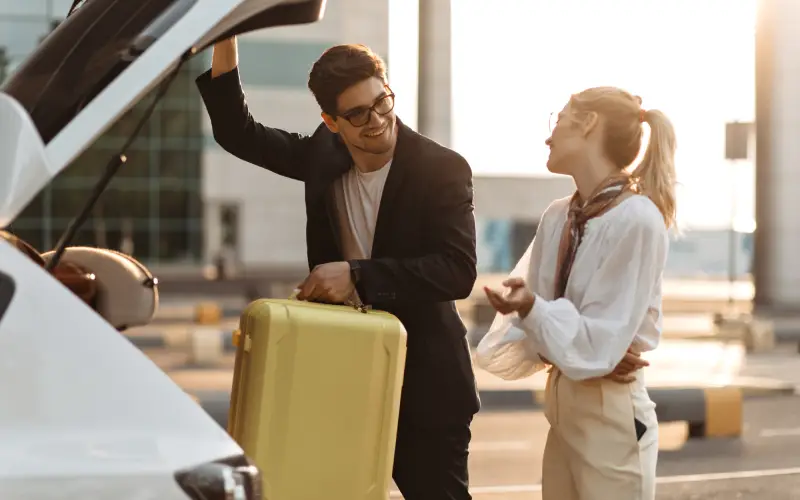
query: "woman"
588, 289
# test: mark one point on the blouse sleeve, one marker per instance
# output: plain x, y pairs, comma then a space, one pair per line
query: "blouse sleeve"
505, 350
589, 342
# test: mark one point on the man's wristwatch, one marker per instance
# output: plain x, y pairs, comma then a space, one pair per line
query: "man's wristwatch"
355, 271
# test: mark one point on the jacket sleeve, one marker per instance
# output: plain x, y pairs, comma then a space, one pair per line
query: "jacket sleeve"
449, 271
238, 133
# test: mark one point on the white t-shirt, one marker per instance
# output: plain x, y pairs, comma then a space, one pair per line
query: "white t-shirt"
361, 196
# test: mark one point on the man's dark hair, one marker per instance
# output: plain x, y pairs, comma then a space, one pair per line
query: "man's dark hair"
339, 68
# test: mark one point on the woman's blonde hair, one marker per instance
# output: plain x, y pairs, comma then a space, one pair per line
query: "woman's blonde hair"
623, 115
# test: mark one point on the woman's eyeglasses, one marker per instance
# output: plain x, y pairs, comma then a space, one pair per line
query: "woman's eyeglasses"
553, 120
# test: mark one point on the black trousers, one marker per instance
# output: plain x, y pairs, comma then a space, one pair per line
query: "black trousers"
430, 463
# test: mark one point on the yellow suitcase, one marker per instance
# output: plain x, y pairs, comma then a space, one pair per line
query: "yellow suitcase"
315, 398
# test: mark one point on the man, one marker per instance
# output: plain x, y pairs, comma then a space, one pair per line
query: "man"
390, 225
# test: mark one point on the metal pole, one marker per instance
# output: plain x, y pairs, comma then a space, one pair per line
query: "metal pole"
732, 241
764, 235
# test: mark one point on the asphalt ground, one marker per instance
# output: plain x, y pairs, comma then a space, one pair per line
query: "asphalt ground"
764, 464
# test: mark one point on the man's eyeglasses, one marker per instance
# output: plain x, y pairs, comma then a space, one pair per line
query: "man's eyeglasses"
358, 117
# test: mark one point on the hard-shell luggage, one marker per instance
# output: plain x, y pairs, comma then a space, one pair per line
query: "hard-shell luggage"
316, 396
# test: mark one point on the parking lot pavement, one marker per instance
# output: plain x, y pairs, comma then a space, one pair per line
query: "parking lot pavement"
766, 485
507, 448
763, 465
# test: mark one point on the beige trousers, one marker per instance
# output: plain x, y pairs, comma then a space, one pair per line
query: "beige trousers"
592, 452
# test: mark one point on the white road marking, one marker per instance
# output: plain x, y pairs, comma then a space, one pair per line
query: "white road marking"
726, 476
690, 478
779, 432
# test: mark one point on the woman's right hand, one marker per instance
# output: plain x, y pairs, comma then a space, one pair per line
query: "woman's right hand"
623, 372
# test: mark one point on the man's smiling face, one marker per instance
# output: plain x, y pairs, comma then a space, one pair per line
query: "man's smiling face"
366, 119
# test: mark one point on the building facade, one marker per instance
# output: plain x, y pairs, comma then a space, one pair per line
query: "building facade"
182, 203
153, 207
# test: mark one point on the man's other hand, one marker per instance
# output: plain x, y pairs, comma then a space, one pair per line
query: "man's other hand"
623, 372
328, 283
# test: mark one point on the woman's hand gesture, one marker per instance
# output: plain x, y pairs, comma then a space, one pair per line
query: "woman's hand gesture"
518, 298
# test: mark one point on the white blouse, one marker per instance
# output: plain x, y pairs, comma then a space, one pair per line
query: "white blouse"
613, 296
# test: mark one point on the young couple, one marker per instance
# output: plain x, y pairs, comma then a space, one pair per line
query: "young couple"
390, 224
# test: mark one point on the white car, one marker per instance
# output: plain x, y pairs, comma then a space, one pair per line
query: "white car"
83, 413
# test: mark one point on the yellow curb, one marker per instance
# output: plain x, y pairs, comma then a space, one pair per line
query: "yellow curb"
237, 334
723, 412
207, 313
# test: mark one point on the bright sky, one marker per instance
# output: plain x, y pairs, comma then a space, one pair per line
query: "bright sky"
515, 61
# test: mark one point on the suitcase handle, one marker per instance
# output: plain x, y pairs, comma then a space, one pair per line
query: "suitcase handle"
357, 305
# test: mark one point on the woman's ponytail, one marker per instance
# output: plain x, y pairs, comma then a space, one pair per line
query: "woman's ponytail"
656, 172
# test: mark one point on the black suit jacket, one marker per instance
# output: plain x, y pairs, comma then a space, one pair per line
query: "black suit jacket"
423, 255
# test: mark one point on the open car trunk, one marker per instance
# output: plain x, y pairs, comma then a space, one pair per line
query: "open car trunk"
85, 414
97, 64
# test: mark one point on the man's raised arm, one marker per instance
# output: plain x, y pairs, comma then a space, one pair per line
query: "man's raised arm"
235, 129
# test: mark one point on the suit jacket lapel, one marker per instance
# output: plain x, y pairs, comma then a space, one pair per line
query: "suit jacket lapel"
393, 186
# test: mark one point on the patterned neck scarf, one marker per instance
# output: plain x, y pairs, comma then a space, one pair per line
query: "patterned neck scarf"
601, 200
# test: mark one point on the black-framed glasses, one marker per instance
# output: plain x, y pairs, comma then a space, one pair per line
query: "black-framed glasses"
358, 117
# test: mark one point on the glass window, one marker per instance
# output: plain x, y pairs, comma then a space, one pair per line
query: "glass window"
522, 235
229, 220
85, 236
174, 245
181, 165
137, 164
91, 163
110, 235
174, 123
182, 143
179, 204
126, 124
141, 249
35, 209
194, 123
99, 230
167, 212
130, 202
182, 86
120, 233
67, 202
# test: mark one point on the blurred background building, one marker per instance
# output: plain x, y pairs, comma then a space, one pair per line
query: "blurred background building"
181, 203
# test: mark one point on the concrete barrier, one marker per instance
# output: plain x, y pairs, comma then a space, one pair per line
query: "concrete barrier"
715, 412
159, 339
710, 412
755, 333
208, 313
205, 347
